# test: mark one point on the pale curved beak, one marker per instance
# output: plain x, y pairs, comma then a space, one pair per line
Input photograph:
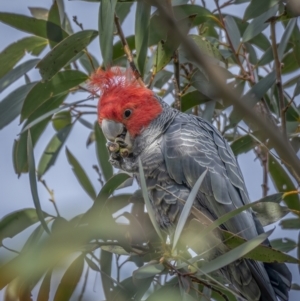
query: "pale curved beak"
111, 129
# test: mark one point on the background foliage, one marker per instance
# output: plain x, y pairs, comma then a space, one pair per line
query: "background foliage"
258, 55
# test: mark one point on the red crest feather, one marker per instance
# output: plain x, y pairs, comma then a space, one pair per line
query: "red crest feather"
119, 91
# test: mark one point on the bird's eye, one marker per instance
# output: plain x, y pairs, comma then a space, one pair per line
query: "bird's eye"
127, 113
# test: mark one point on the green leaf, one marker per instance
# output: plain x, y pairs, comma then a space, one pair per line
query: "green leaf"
233, 32
147, 200
191, 99
110, 186
106, 29
276, 198
86, 63
105, 264
11, 105
259, 24
81, 176
61, 120
286, 37
118, 49
17, 221
261, 253
258, 7
266, 58
282, 182
206, 46
256, 93
13, 53
289, 63
102, 153
37, 27
234, 254
16, 73
290, 223
52, 150
44, 290
242, 145
165, 49
42, 91
115, 249
39, 12
269, 213
187, 209
123, 9
20, 146
283, 244
142, 23
64, 52
54, 17
70, 280
33, 183
34, 237
150, 269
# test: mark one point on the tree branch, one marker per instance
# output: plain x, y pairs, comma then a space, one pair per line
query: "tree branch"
128, 52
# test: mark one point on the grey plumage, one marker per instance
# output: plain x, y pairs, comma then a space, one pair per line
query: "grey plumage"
175, 150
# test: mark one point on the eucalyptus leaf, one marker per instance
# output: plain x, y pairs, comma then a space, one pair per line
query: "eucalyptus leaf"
70, 280
64, 52
16, 73
106, 29
187, 209
33, 183
81, 175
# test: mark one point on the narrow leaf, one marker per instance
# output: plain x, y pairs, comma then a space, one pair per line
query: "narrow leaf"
70, 280
283, 182
106, 29
147, 200
283, 244
258, 7
44, 290
11, 105
52, 150
142, 22
286, 37
81, 175
33, 183
234, 254
64, 52
148, 270
16, 73
102, 153
233, 32
37, 27
13, 53
187, 209
60, 83
15, 222
258, 24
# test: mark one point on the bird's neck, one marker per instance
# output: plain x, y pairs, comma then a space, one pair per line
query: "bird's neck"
155, 129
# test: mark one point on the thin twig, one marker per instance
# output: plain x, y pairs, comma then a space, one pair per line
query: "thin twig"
262, 154
177, 104
236, 53
84, 284
75, 20
277, 66
128, 52
51, 193
96, 168
223, 5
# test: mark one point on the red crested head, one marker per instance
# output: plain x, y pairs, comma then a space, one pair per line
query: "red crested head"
124, 100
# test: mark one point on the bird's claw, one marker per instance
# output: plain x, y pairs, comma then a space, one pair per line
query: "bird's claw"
120, 141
